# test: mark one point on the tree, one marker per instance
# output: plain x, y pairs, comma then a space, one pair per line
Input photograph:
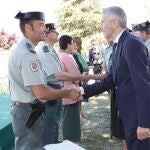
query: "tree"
80, 18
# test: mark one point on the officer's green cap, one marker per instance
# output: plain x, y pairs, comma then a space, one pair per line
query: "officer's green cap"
35, 15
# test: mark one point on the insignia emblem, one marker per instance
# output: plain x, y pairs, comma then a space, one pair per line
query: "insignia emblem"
34, 66
30, 48
45, 49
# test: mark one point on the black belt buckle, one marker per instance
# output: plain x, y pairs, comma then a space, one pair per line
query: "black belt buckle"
51, 102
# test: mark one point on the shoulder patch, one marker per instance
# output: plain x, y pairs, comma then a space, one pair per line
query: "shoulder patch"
34, 66
30, 48
45, 49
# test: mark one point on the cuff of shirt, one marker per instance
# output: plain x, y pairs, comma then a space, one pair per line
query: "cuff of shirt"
82, 90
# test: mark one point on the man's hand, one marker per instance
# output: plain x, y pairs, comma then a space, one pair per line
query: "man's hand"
85, 78
74, 93
143, 133
97, 76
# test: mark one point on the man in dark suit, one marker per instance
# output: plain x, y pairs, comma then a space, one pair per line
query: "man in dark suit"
130, 75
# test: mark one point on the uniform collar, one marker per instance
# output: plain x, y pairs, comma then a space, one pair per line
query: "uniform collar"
30, 46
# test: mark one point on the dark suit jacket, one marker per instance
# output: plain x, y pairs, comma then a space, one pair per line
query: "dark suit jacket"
130, 74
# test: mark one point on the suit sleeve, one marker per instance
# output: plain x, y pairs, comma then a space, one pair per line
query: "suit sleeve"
99, 87
140, 76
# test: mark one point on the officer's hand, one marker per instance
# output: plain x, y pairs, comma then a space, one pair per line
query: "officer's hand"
85, 78
143, 133
74, 93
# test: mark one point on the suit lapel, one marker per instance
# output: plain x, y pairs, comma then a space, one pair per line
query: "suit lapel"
118, 54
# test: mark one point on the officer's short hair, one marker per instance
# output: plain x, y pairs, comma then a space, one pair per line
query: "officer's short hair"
22, 24
64, 40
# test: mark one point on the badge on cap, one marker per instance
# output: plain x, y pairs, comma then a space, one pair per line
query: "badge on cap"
34, 66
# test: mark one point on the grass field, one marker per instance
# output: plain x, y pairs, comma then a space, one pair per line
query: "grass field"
96, 128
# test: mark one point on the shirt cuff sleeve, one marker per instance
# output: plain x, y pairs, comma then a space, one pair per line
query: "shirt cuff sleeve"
82, 90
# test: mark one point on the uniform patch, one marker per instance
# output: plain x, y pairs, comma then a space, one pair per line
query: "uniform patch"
45, 49
34, 66
30, 48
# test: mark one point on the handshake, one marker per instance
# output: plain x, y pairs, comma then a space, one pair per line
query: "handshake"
74, 92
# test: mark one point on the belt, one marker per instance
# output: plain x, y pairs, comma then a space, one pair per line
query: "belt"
50, 102
16, 103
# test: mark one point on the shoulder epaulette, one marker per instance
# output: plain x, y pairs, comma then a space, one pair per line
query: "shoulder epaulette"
45, 49
30, 48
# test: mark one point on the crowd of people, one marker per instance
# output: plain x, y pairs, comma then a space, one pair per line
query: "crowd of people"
48, 87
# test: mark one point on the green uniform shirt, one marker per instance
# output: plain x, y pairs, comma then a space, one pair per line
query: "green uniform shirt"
50, 63
24, 70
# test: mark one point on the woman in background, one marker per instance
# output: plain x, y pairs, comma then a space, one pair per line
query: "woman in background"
82, 63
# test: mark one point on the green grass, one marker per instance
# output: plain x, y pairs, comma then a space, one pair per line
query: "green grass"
96, 135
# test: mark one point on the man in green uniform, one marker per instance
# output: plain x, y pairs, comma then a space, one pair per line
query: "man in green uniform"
27, 84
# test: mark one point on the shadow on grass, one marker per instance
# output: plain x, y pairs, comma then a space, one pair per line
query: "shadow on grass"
96, 126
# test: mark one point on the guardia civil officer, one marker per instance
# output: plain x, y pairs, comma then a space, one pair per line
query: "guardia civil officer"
54, 77
27, 84
143, 30
51, 65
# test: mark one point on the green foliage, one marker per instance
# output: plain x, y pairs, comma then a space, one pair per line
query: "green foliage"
81, 18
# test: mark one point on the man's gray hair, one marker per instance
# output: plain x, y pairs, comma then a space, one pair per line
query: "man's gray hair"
119, 13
